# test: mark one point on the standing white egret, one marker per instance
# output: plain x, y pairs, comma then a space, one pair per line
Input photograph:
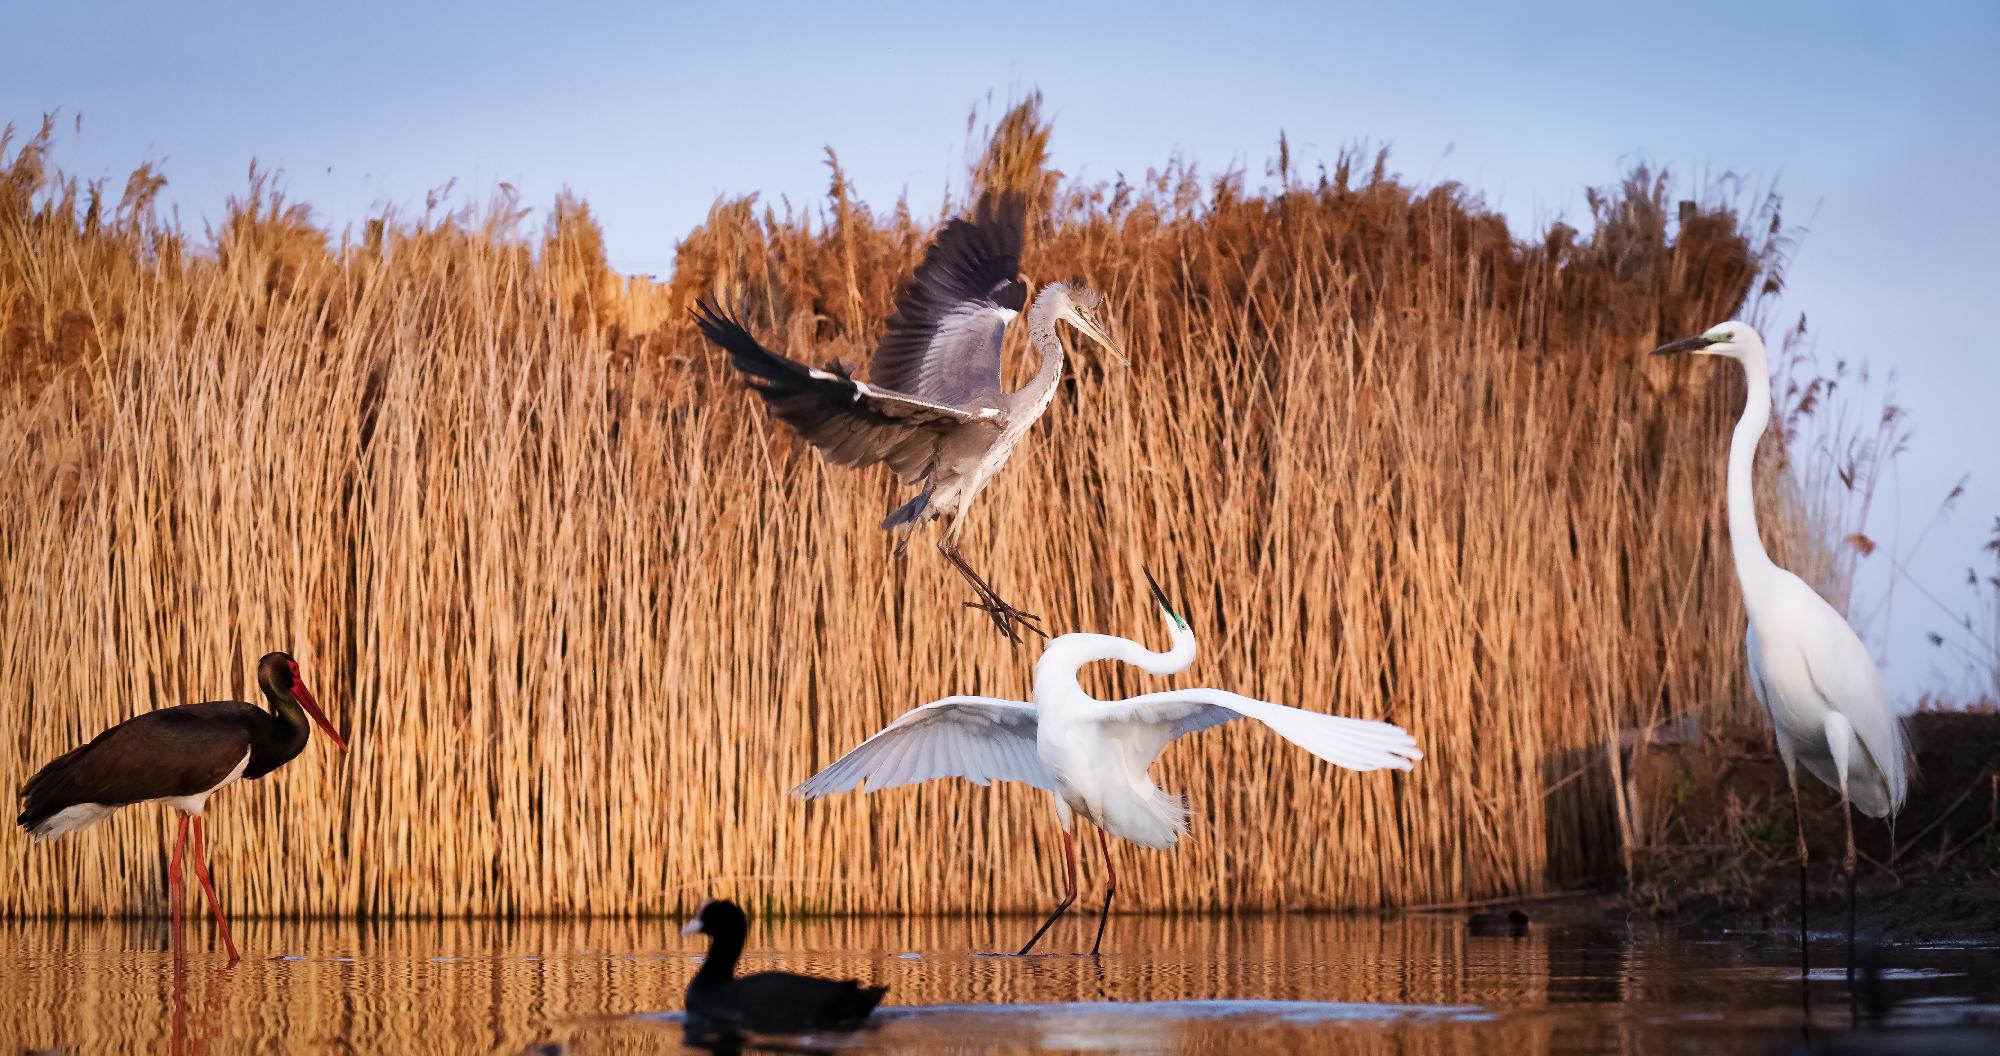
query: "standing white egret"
1808, 668
935, 412
1091, 755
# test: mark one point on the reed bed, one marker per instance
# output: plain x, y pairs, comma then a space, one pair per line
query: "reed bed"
586, 614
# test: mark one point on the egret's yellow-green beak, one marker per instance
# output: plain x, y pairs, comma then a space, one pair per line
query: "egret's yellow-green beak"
1160, 598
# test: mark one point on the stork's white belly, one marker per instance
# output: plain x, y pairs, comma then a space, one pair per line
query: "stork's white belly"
193, 804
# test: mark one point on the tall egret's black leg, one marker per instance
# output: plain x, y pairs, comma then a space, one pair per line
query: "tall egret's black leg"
1069, 896
1110, 888
1805, 952
1848, 863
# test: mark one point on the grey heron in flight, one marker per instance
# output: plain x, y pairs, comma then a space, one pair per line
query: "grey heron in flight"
934, 412
1091, 755
1808, 668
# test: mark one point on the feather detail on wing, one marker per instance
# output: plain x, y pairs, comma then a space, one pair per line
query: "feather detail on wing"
943, 342
980, 739
1847, 678
851, 422
1356, 744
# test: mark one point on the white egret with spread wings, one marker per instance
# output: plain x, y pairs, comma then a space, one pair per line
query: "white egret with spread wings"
1808, 668
934, 412
1091, 755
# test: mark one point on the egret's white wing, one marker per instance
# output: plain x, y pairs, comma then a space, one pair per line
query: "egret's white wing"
1357, 744
981, 739
1850, 683
1761, 688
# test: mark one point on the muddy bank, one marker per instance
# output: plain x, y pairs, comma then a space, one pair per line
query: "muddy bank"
1716, 843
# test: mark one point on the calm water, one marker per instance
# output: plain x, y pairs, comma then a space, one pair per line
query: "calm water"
1416, 984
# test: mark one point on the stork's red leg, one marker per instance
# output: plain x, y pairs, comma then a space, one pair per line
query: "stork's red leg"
175, 889
201, 874
1069, 855
1110, 888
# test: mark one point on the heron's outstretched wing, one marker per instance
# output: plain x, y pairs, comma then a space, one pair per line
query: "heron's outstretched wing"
981, 739
852, 423
1357, 744
943, 342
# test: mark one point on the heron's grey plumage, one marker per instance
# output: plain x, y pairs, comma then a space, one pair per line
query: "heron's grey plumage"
851, 422
943, 342
934, 411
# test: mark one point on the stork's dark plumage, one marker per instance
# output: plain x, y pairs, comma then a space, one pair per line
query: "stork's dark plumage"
935, 412
178, 756
768, 1002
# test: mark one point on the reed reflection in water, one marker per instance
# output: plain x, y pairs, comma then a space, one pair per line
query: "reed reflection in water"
1413, 984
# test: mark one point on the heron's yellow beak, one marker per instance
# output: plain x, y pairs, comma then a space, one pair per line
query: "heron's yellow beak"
1095, 331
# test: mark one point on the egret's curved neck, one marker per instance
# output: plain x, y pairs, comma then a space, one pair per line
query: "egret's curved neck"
1055, 672
1748, 547
1042, 317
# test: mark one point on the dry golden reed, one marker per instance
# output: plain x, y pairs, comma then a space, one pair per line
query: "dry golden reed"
585, 613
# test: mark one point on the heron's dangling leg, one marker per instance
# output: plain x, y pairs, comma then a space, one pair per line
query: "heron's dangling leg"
1004, 616
176, 890
214, 903
1110, 888
1069, 895
1805, 953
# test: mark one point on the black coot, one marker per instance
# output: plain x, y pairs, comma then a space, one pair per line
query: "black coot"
768, 1002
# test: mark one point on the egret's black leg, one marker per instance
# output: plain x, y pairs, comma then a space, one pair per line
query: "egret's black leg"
1069, 856
1848, 863
1805, 952
1110, 888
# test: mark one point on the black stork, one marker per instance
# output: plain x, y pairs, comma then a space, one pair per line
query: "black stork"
179, 756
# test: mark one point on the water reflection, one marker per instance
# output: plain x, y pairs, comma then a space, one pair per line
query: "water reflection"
1417, 984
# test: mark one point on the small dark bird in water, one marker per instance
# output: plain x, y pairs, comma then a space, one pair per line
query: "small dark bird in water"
1513, 923
768, 1002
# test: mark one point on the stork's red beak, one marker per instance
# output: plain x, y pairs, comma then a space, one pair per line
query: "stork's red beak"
305, 698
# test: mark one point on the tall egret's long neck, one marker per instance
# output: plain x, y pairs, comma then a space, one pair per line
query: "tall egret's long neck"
1744, 542
1042, 316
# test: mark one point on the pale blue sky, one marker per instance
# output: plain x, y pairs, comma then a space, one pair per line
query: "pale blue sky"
1879, 122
